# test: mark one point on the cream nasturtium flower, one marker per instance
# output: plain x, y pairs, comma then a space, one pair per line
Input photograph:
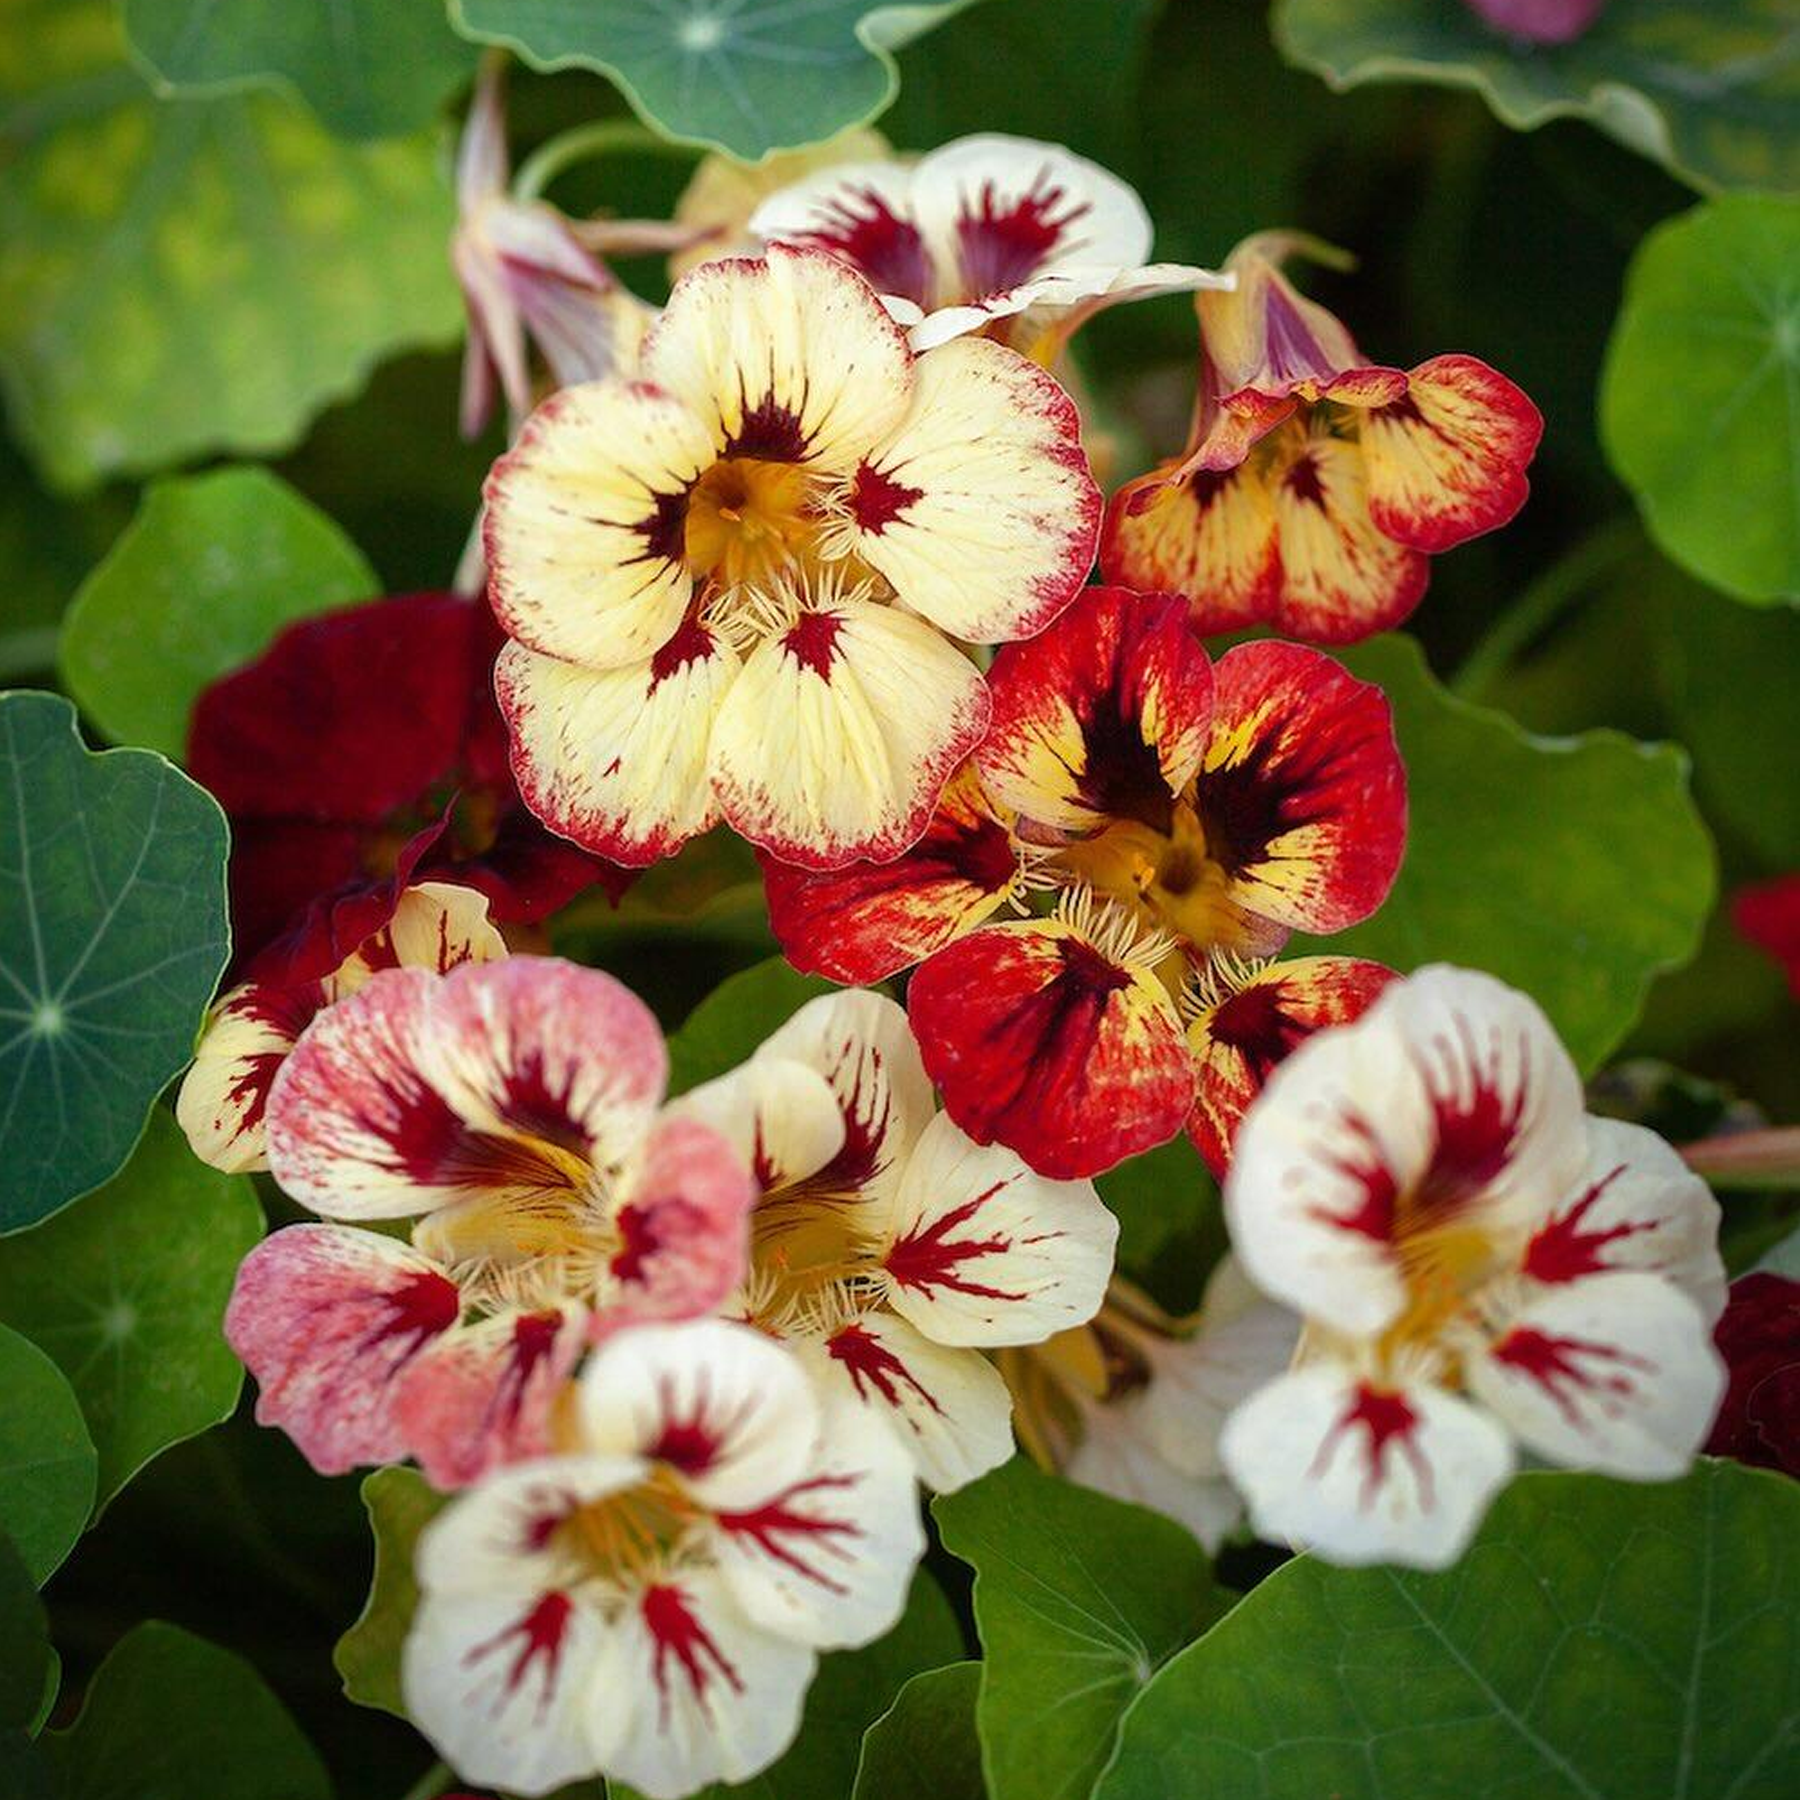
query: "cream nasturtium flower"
648, 1601
1479, 1263
732, 581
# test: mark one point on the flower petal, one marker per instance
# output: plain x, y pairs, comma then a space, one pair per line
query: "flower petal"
1363, 1474
1058, 302
1040, 1041
1264, 335
1103, 715
836, 739
225, 1094
980, 508
862, 213
435, 925
328, 1321
780, 1117
985, 1252
1115, 1458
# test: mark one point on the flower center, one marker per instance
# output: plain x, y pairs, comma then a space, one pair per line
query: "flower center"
751, 522
631, 1535
814, 1261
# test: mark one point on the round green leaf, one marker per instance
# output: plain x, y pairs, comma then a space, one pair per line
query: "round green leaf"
47, 1459
183, 277
367, 68
926, 1743
205, 575
1707, 87
112, 938
126, 1291
26, 1663
1597, 1639
728, 1025
747, 79
1700, 396
401, 1504
1574, 868
1079, 1600
169, 1716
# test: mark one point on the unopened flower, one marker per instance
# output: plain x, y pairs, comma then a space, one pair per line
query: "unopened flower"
1758, 1335
359, 742
1188, 816
1003, 234
648, 1601
732, 582
511, 1109
887, 1248
1316, 486
1478, 1262
250, 1033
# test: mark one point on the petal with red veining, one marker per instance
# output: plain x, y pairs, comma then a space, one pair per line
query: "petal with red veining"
862, 213
225, 1095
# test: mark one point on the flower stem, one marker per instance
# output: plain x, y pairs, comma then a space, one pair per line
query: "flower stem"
1748, 1159
583, 142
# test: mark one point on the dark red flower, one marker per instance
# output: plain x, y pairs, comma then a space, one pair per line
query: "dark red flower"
1768, 914
362, 744
1758, 1335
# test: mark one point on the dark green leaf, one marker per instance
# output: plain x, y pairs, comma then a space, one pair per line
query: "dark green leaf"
925, 1743
367, 68
183, 277
47, 1459
401, 1504
1574, 868
112, 937
25, 1655
1079, 1600
205, 575
747, 79
169, 1716
728, 1025
126, 1291
1707, 87
1598, 1639
1171, 1225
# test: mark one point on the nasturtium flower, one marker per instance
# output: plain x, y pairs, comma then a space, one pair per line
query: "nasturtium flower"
1315, 486
362, 741
1024, 240
1132, 1403
732, 582
512, 1111
1479, 1264
647, 1601
1758, 1335
1189, 816
252, 1030
1768, 914
886, 1248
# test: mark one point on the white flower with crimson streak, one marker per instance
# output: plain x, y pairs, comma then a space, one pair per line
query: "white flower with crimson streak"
1479, 1263
648, 1602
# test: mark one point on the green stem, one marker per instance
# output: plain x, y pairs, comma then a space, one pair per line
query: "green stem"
1749, 1159
581, 143
1542, 603
432, 1783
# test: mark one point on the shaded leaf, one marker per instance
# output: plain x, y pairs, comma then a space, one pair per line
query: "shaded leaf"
1171, 1225
205, 575
925, 1743
401, 1504
367, 68
126, 1291
47, 1459
1707, 87
112, 937
1700, 395
1597, 1638
733, 1020
182, 277
25, 1654
1079, 1600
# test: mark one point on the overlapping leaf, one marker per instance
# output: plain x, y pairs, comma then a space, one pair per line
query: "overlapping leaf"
400, 1505
46, 1458
727, 1026
926, 1743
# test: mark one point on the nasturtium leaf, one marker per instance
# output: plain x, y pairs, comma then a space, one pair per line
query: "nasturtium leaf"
209, 570
179, 277
169, 1716
126, 1291
1700, 394
367, 68
744, 78
1598, 1638
1574, 868
47, 1459
728, 1025
25, 1654
401, 1504
1171, 1225
1079, 1600
112, 938
926, 1743
1706, 87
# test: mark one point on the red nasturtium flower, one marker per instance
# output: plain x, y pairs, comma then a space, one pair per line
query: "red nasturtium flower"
358, 741
1192, 815
1768, 914
1316, 486
1758, 1335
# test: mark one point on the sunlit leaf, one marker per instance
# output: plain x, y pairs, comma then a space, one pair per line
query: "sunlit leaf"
46, 1457
367, 68
1598, 1638
183, 277
1708, 87
112, 937
1700, 398
126, 1291
925, 1743
401, 1504
205, 575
